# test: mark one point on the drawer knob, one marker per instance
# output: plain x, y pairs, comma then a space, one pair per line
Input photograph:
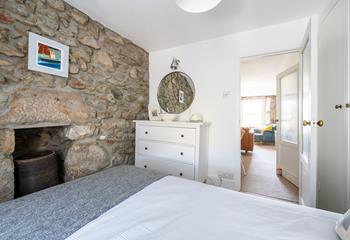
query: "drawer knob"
182, 135
146, 148
181, 153
181, 174
146, 132
145, 166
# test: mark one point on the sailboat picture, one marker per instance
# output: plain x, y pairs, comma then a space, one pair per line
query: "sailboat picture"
49, 56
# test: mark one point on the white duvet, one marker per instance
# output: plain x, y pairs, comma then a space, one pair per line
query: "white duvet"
176, 209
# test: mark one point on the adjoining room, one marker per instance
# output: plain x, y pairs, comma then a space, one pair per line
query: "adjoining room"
269, 84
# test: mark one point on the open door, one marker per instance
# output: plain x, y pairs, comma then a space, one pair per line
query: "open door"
307, 116
287, 127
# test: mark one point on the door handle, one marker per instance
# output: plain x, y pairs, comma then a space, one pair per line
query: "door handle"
338, 106
320, 123
306, 123
347, 105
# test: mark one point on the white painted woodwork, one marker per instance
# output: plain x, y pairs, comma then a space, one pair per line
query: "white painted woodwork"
176, 148
333, 138
287, 142
167, 167
176, 152
308, 111
166, 134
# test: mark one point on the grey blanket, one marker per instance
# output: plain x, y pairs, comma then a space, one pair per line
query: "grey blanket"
58, 212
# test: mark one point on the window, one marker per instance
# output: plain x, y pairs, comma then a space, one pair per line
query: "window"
289, 104
253, 113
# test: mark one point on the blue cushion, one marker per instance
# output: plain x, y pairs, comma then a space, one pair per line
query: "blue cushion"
257, 130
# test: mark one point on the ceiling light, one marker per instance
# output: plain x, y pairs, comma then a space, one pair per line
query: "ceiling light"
197, 6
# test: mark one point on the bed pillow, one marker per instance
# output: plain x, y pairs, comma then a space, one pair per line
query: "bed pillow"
343, 227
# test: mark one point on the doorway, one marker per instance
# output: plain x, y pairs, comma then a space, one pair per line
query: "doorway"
269, 126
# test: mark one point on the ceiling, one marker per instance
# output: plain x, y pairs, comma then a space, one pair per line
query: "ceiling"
258, 75
160, 24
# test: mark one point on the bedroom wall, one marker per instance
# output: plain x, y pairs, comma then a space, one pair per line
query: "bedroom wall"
106, 89
214, 67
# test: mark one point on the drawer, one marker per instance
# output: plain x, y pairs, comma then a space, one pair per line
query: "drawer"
167, 134
181, 153
166, 167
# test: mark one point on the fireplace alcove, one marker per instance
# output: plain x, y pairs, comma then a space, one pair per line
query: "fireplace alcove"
38, 158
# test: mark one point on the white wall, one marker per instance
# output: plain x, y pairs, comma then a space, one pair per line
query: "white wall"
258, 74
214, 67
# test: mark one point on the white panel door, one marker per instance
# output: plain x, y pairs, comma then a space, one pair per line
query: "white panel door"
307, 113
333, 155
287, 111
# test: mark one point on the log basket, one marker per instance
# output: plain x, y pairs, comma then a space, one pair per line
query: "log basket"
35, 172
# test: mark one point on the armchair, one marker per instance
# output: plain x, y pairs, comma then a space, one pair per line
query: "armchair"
265, 136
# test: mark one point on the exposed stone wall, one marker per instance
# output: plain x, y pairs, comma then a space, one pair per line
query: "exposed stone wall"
7, 146
106, 89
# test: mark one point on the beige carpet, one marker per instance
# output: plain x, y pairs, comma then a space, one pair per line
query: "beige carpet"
261, 176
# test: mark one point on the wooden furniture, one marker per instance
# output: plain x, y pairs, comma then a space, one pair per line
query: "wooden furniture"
243, 133
176, 148
247, 140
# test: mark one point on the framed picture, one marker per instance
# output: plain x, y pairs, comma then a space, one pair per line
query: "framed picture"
181, 96
48, 56
154, 113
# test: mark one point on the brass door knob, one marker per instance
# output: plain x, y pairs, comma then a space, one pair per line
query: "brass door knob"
306, 123
320, 123
338, 106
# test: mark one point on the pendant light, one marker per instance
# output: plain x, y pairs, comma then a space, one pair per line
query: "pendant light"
197, 6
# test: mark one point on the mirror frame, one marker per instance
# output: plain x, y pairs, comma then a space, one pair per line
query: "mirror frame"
190, 82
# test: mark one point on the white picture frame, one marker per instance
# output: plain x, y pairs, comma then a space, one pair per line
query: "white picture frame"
48, 56
154, 113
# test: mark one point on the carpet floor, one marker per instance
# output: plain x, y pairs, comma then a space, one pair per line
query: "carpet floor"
261, 176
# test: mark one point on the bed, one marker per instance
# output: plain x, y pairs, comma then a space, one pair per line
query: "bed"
126, 203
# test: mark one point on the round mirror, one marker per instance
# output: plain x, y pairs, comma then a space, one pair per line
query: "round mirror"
176, 92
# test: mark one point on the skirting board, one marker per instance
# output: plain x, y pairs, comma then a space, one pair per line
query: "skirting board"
290, 177
226, 183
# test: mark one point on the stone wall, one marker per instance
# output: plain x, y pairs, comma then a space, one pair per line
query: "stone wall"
7, 146
106, 89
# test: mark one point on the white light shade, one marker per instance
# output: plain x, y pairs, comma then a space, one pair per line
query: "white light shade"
197, 6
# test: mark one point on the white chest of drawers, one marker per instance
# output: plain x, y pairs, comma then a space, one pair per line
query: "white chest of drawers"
176, 148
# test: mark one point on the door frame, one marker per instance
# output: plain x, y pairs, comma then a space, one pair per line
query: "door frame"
239, 96
311, 35
295, 68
